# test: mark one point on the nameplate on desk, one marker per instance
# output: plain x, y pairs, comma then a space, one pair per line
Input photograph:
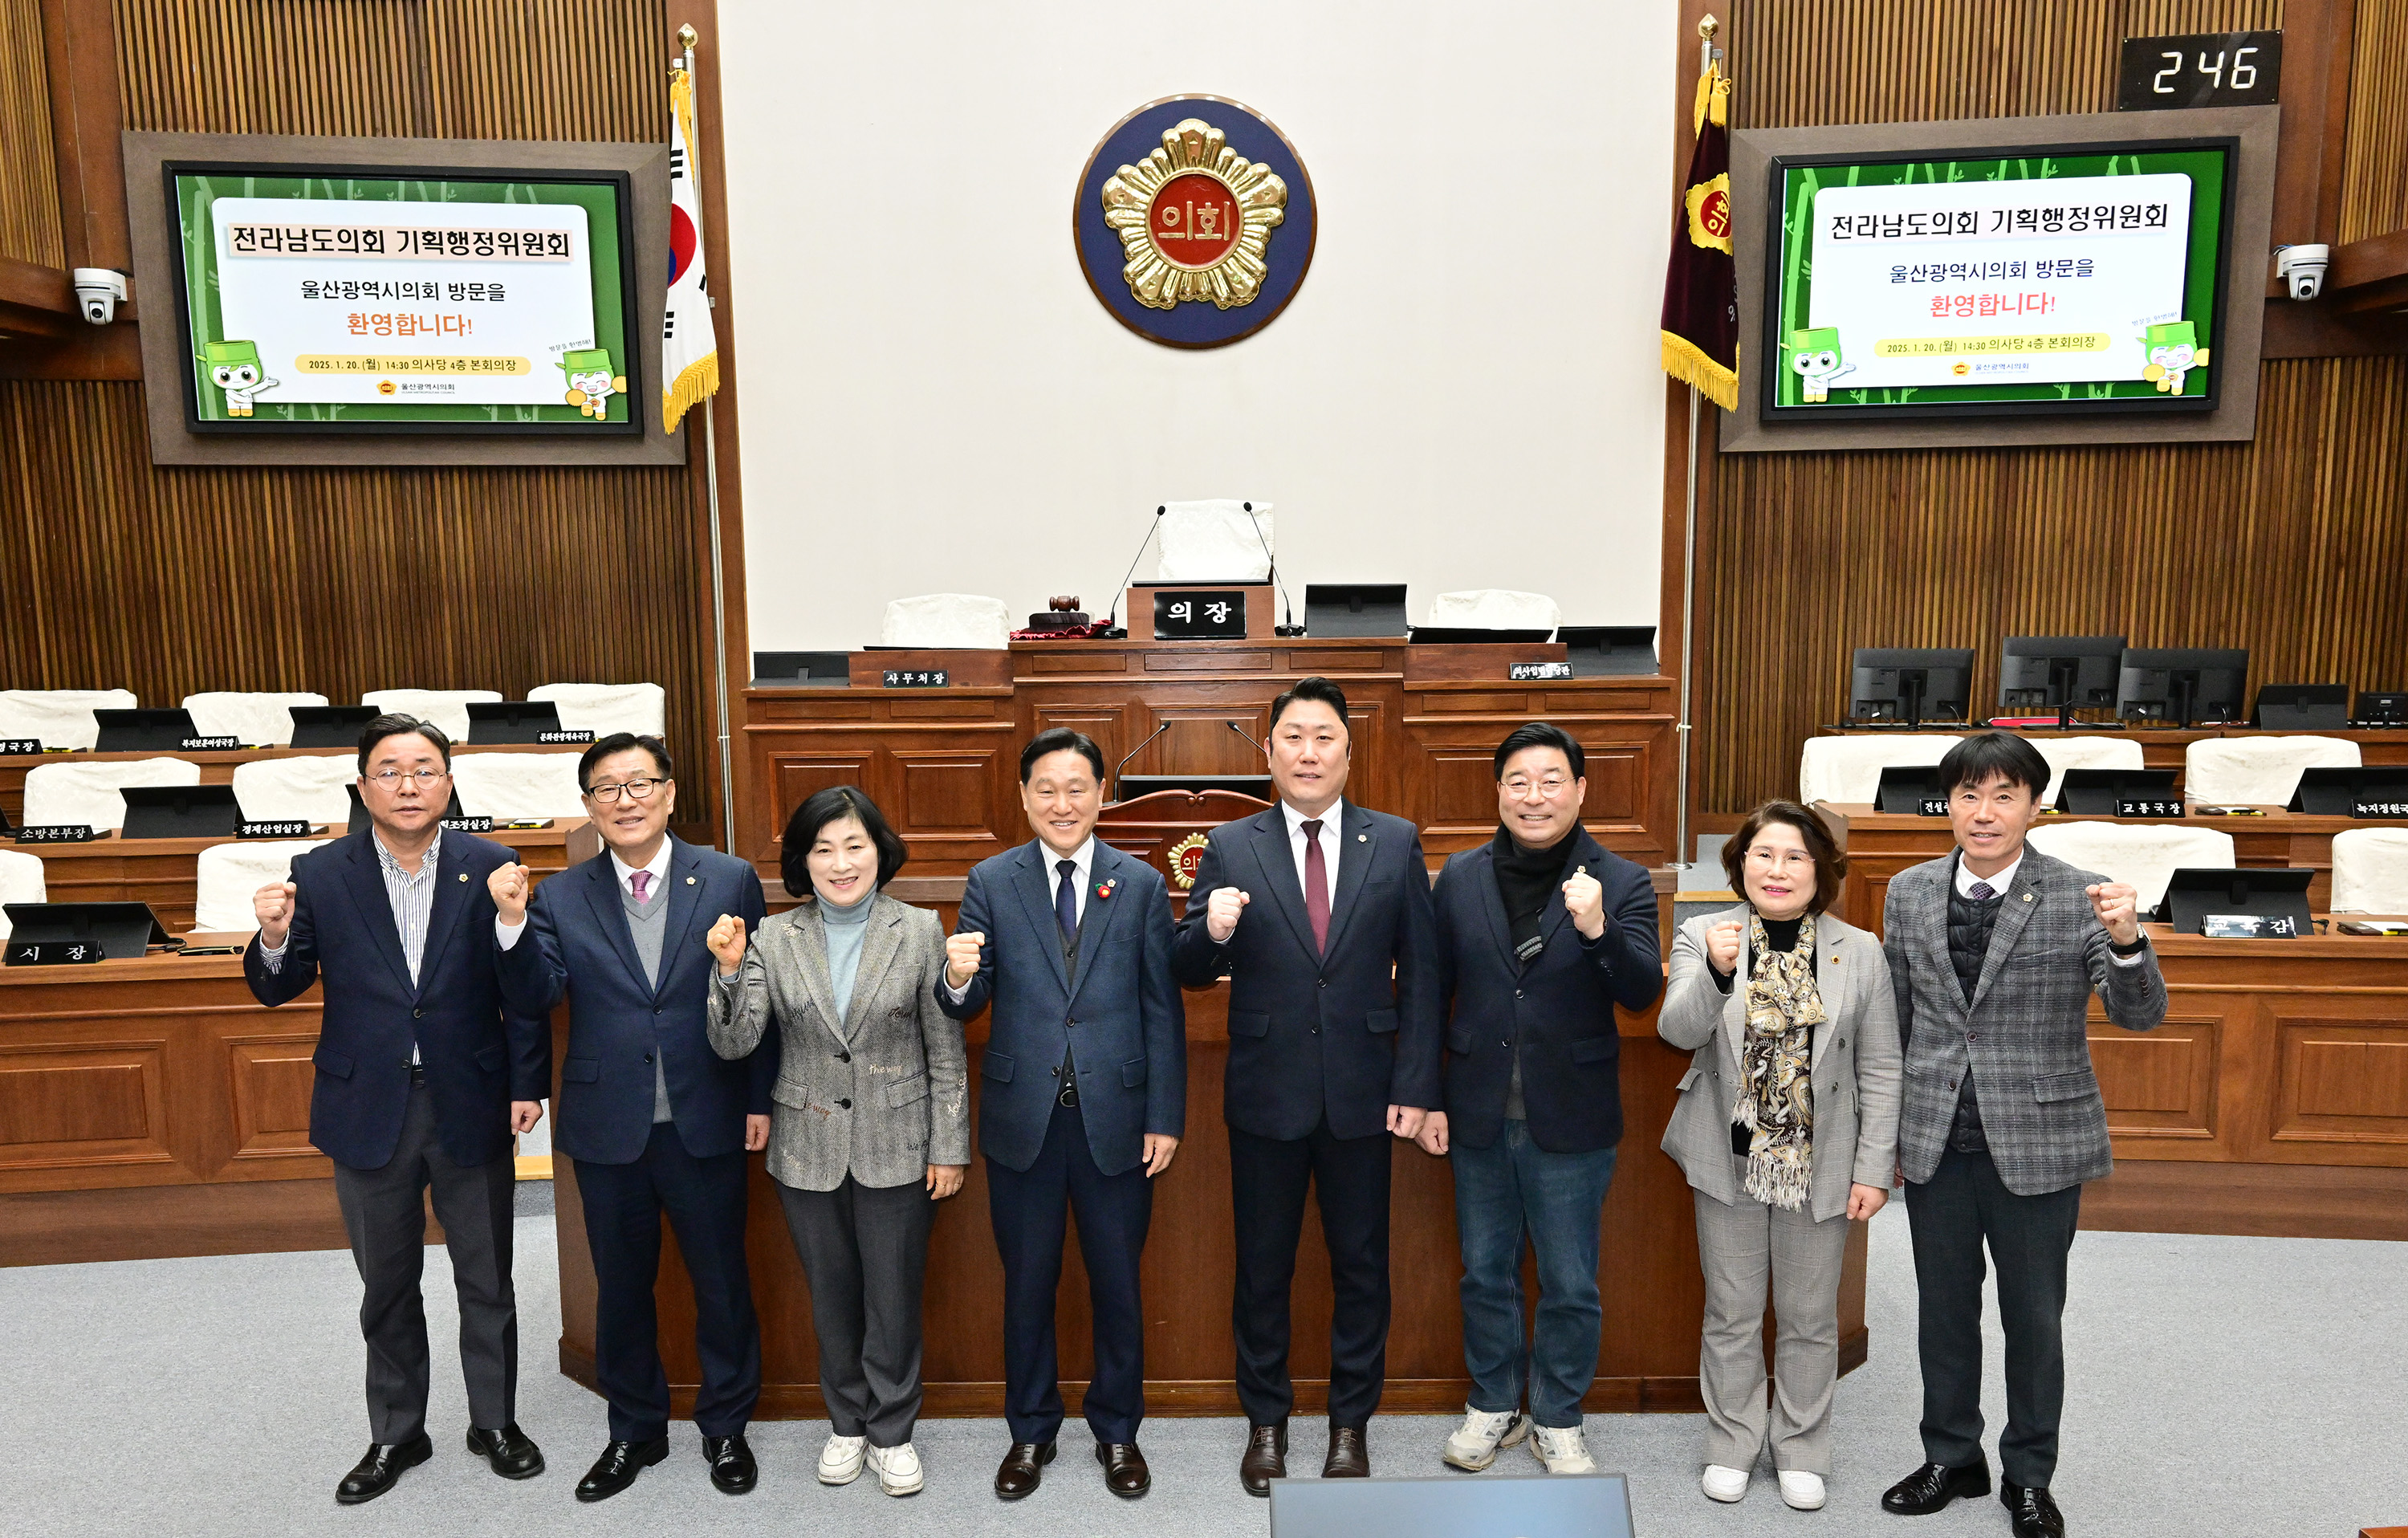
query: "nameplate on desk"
2248, 927
564, 735
15, 747
55, 953
290, 827
469, 825
2379, 809
207, 744
1200, 615
1933, 806
916, 678
56, 833
1538, 672
2147, 806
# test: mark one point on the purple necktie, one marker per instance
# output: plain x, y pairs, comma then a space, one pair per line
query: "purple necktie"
1980, 891
1316, 885
642, 880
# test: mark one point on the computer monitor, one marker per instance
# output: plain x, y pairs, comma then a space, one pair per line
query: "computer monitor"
2271, 891
801, 668
1355, 609
2100, 792
124, 929
134, 731
2061, 673
2382, 708
1455, 635
330, 726
2177, 685
511, 720
1609, 651
1911, 684
1908, 788
2340, 792
2301, 707
179, 811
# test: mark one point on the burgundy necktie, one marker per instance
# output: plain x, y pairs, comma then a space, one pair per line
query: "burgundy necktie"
1316, 885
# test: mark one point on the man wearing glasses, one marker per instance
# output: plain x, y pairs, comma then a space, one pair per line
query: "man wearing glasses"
652, 1117
424, 1073
1541, 933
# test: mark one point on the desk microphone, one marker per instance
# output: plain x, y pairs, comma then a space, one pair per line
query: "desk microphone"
1111, 629
1132, 753
1241, 732
1291, 628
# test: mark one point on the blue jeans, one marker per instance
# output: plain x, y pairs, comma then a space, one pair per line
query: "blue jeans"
1502, 1192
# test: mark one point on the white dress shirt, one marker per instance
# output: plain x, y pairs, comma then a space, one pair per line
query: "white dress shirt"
508, 933
1085, 861
1331, 821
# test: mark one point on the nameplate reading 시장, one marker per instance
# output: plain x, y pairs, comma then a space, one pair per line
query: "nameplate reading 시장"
55, 953
2248, 927
1537, 672
2147, 806
469, 825
564, 735
207, 744
288, 827
57, 833
916, 678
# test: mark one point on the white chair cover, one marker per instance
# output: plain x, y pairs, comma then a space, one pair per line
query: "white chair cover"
251, 719
2370, 870
1495, 609
446, 708
1215, 541
606, 708
315, 788
227, 874
59, 718
947, 622
2144, 855
517, 784
2065, 753
87, 793
21, 881
2257, 770
1848, 768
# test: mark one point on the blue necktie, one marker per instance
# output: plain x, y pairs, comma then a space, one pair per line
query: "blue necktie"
1066, 900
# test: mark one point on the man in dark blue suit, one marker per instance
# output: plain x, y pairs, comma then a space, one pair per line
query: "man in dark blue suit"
1083, 1095
652, 1117
1319, 914
424, 1072
1541, 933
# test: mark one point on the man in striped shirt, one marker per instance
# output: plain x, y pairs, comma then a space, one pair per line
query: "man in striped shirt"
423, 1077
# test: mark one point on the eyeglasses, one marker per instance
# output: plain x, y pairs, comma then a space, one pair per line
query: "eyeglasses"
1521, 786
635, 790
1779, 858
423, 779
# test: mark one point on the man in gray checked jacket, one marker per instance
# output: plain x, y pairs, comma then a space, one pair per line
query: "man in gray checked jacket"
1994, 952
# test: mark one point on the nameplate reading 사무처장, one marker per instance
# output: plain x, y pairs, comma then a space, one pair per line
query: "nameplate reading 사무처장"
916, 678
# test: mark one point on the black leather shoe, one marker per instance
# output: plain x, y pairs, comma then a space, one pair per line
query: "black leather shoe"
512, 1456
1125, 1471
1931, 1486
1022, 1468
380, 1470
619, 1465
2034, 1513
1349, 1458
1265, 1458
732, 1469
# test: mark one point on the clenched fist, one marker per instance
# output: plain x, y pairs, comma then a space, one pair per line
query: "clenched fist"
1221, 910
510, 886
1584, 899
2118, 909
727, 943
962, 957
1722, 944
273, 904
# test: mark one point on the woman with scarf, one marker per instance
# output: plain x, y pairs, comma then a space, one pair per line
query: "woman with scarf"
1787, 1129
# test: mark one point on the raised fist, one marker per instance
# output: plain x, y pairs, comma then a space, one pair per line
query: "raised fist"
1221, 910
1722, 944
727, 943
510, 884
962, 957
1584, 899
273, 904
2118, 909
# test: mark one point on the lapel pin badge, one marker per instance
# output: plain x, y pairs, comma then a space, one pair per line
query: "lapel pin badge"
1362, 838
464, 875
689, 881
1105, 890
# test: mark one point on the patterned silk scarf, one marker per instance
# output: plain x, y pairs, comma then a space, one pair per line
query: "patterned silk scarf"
1776, 1058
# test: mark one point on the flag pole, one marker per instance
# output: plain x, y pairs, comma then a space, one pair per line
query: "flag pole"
687, 37
1681, 853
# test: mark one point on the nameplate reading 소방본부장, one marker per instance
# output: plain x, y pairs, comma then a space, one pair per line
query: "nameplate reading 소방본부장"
57, 833
1538, 672
55, 953
916, 678
2147, 806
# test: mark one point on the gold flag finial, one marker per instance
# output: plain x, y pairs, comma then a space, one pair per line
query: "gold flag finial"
687, 37
1709, 26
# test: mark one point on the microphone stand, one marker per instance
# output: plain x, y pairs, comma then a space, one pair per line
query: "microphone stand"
1131, 754
1112, 628
1286, 603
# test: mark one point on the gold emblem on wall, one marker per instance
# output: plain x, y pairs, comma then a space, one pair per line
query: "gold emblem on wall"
1194, 219
1185, 856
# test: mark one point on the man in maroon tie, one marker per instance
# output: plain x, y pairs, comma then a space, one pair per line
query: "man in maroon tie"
1319, 913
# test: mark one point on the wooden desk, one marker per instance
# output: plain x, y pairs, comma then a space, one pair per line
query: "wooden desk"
2164, 747
1880, 845
163, 872
943, 764
217, 769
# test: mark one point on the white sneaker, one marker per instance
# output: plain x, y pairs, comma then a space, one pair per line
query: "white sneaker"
1803, 1491
898, 1469
1561, 1449
840, 1459
1475, 1442
1723, 1482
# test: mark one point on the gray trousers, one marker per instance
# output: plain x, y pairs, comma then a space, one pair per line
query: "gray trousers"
865, 1251
1742, 1246
384, 1211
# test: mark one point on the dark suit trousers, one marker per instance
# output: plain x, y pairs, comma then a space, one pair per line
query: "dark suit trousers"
1949, 1215
1267, 1179
1029, 1208
865, 1252
704, 1199
384, 1211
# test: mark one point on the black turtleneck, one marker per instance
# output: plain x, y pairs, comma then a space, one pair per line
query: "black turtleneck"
1526, 879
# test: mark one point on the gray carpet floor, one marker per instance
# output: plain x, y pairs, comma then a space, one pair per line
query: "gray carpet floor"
2219, 1386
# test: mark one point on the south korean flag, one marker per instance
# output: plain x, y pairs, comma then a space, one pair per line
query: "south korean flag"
689, 346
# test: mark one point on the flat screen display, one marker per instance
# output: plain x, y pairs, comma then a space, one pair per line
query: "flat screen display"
334, 300
2069, 279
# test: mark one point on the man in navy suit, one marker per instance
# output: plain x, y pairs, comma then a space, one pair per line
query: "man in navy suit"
1083, 1095
424, 1072
1319, 914
652, 1117
1541, 933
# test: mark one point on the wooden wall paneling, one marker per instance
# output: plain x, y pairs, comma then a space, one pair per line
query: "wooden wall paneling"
30, 226
2374, 153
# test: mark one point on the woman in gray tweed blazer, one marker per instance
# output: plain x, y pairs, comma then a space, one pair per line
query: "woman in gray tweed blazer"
1788, 1129
871, 1126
